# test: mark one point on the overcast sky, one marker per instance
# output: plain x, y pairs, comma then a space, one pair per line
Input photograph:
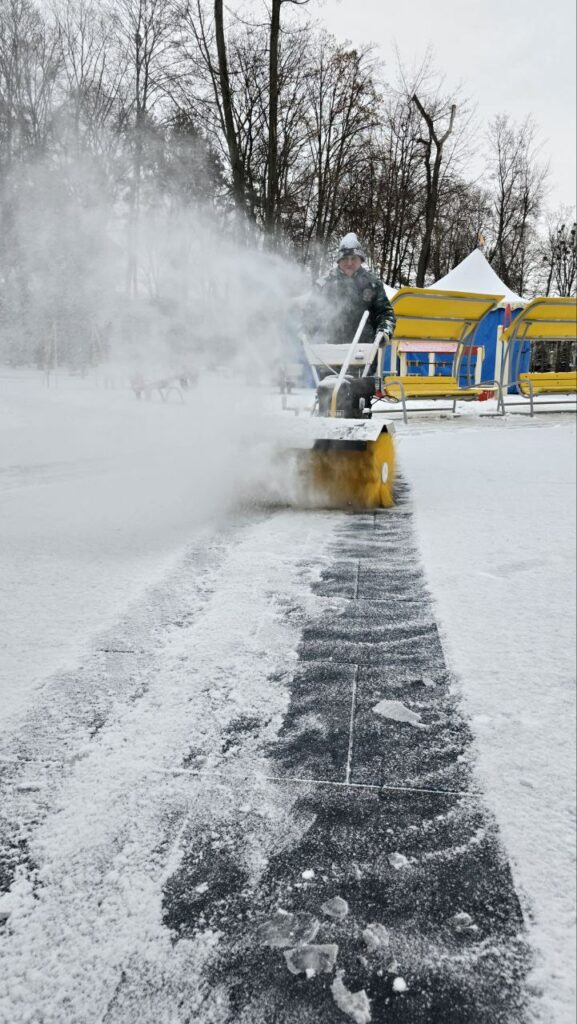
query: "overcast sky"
512, 56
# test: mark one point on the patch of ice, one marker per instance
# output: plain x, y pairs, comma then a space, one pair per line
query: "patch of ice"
336, 908
429, 682
356, 1005
285, 930
311, 960
400, 985
398, 861
463, 924
397, 712
308, 875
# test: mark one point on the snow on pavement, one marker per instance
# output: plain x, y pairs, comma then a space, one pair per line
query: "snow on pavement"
495, 512
102, 827
114, 545
100, 495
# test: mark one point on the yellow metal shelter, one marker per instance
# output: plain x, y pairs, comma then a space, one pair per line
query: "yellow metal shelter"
427, 315
547, 320
436, 322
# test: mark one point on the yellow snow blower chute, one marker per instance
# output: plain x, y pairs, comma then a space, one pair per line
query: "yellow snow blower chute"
351, 458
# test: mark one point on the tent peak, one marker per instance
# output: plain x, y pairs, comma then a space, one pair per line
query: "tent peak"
475, 274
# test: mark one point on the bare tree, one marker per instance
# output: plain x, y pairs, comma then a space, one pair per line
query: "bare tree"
245, 67
226, 99
29, 67
559, 255
342, 112
433, 145
238, 121
94, 72
144, 27
274, 94
391, 190
463, 212
519, 180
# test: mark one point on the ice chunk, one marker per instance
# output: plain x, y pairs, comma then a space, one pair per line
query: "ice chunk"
397, 712
376, 937
311, 960
308, 875
400, 985
398, 861
356, 1005
463, 924
336, 908
285, 930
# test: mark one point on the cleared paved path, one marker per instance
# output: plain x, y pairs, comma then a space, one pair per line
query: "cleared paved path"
387, 815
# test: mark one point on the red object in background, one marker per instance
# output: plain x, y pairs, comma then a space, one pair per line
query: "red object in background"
484, 396
508, 318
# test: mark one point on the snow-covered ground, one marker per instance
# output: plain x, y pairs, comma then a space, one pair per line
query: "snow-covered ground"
495, 510
102, 496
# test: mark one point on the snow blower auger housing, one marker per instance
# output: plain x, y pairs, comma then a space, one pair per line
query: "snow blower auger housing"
352, 461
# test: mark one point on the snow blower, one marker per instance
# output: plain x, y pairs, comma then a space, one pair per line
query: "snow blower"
351, 457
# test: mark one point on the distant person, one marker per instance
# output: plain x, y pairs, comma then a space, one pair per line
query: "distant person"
139, 386
346, 292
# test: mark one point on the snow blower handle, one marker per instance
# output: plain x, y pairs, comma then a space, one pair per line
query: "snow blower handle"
380, 359
376, 348
348, 360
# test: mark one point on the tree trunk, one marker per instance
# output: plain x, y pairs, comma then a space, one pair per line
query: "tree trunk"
433, 179
134, 216
238, 183
272, 176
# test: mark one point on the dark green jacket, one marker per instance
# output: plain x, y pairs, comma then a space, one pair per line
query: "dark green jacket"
345, 299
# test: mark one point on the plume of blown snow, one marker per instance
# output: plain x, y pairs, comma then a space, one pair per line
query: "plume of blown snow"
178, 294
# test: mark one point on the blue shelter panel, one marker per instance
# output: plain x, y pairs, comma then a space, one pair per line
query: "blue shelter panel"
486, 336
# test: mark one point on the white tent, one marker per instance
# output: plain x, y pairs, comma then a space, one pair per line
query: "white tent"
475, 274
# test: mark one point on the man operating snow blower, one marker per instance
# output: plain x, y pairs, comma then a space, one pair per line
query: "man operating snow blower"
352, 460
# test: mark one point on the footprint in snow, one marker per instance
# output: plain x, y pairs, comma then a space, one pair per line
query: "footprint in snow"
508, 569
